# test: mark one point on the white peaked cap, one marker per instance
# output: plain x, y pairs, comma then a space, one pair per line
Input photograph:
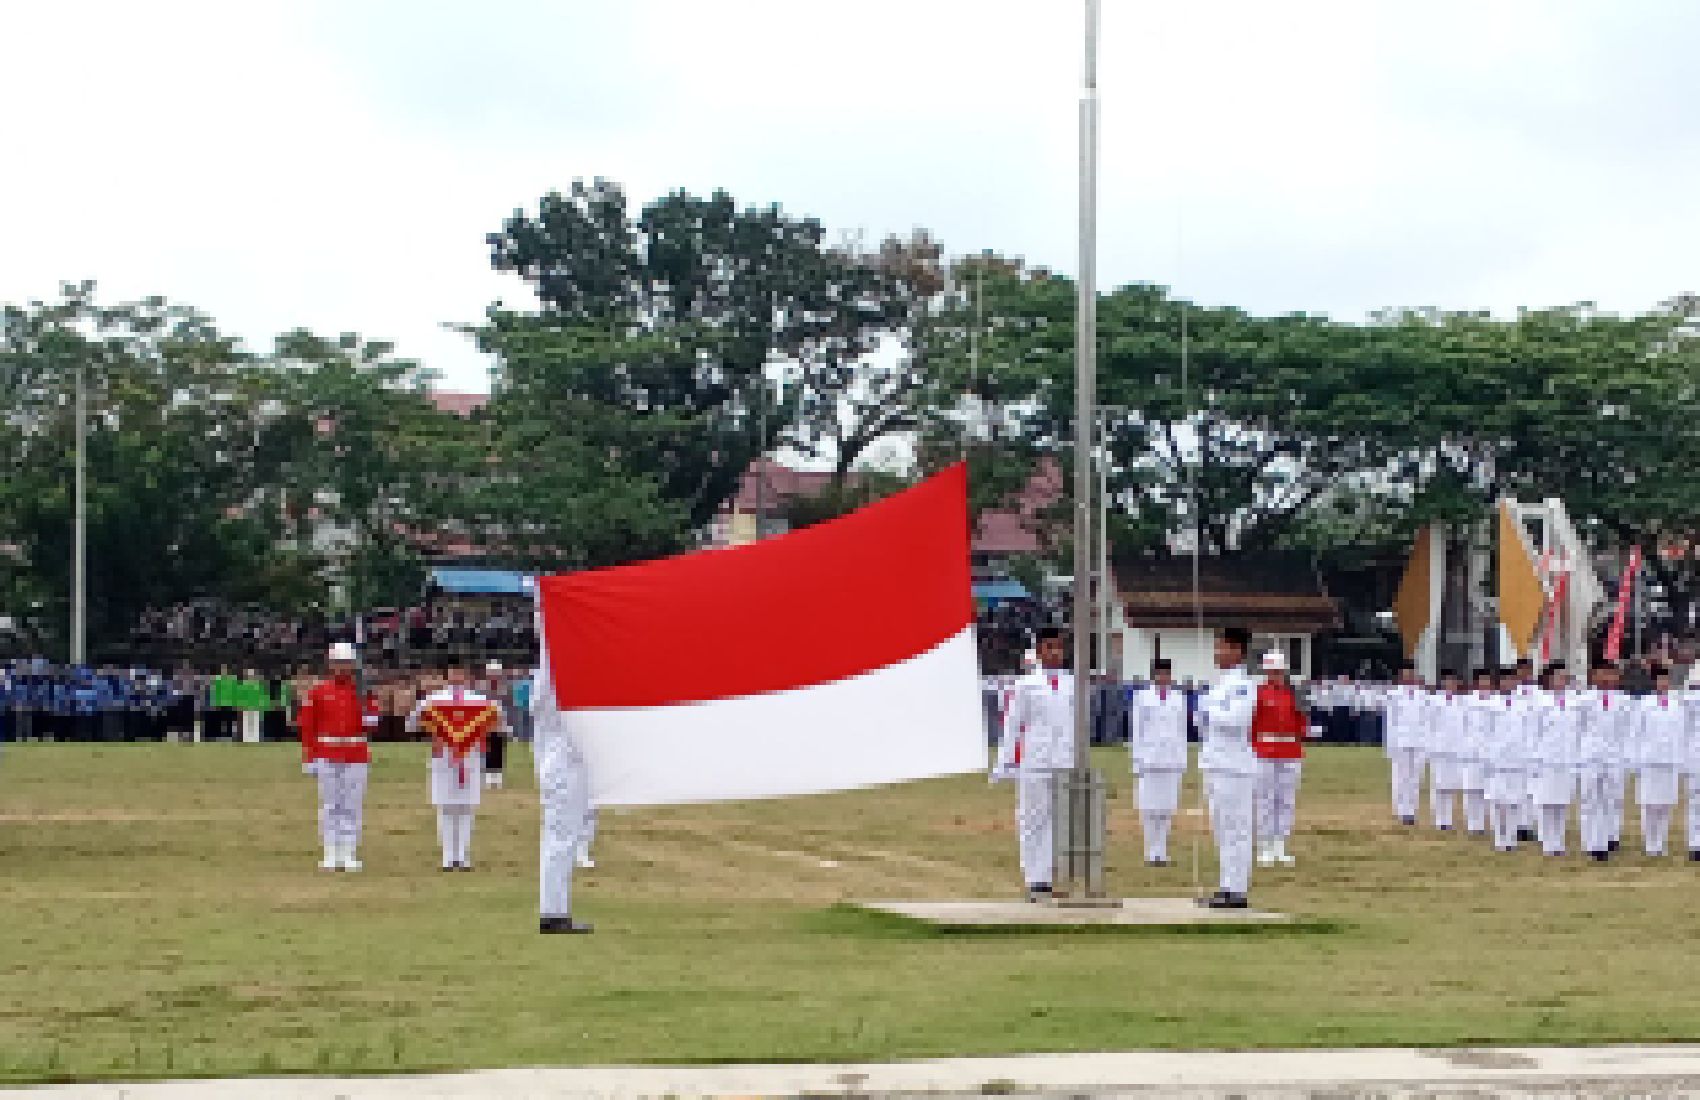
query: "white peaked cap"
493, 666
1274, 661
343, 651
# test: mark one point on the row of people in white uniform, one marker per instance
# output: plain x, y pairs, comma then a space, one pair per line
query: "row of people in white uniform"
1037, 741
1521, 756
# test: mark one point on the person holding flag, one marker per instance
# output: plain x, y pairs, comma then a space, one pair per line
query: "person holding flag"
460, 723
496, 749
1157, 721
1038, 740
335, 724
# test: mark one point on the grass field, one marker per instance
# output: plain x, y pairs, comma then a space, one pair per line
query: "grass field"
161, 914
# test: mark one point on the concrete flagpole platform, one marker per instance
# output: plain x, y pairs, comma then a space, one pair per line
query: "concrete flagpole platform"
1147, 913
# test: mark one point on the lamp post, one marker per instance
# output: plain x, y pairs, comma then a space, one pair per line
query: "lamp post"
79, 525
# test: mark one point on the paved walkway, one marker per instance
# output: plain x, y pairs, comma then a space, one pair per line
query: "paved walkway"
1500, 1072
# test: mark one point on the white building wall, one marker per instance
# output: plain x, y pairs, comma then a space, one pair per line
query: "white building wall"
1193, 654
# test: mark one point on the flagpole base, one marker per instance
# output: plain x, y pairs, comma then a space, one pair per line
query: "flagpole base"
1081, 797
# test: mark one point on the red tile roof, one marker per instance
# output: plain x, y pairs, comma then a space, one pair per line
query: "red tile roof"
461, 404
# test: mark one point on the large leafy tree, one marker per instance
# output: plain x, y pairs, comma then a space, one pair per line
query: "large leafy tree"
658, 329
180, 446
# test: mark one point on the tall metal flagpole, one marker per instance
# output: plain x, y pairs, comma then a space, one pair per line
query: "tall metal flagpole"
79, 534
1081, 871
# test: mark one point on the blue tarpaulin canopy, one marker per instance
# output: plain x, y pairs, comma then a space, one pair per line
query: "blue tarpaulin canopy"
460, 581
994, 591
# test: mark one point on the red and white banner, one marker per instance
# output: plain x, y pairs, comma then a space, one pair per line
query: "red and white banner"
834, 657
1625, 589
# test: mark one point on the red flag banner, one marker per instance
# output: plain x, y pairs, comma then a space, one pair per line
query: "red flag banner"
1625, 589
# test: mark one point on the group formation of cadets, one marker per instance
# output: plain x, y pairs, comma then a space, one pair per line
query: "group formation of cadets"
43, 702
1526, 756
1252, 734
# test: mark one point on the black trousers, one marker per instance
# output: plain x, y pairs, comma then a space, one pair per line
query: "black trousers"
495, 752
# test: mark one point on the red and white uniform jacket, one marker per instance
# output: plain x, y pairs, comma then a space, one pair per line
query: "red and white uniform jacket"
335, 723
1278, 727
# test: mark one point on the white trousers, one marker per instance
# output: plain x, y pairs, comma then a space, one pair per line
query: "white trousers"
1595, 783
1445, 777
1693, 785
1619, 795
1231, 796
564, 790
1407, 781
1475, 811
342, 802
1277, 797
1158, 795
251, 727
1035, 823
454, 833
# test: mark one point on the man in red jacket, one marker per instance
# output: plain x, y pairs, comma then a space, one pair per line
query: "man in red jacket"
1278, 731
334, 726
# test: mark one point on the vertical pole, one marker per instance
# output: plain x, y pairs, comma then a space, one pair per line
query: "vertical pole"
761, 461
1105, 588
79, 534
1085, 843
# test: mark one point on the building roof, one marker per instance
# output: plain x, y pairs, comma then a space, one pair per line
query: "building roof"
779, 483
459, 581
1276, 593
1020, 527
461, 404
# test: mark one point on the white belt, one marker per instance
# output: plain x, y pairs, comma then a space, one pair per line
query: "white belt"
1268, 738
355, 740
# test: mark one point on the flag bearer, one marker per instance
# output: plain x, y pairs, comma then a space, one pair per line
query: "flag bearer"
1157, 720
1038, 741
1657, 750
1557, 748
1447, 734
1406, 708
563, 788
1278, 731
1230, 766
496, 751
334, 723
459, 721
1477, 743
1611, 683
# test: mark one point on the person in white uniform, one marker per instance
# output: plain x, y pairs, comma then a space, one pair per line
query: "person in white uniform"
460, 722
1230, 767
1474, 749
1507, 756
1037, 741
1658, 748
1608, 720
1447, 715
1557, 748
1691, 760
1157, 721
1529, 690
1406, 710
563, 787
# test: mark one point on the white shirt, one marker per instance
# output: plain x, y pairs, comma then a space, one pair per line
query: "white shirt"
1407, 707
1479, 715
1039, 718
1558, 732
1224, 718
1156, 725
1661, 732
1447, 715
1513, 722
1608, 728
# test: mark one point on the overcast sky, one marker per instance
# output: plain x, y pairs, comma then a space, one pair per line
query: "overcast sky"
335, 165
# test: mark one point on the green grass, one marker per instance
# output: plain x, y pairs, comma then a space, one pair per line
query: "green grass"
161, 914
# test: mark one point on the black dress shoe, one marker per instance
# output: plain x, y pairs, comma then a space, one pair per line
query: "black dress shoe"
1039, 891
1444, 828
1694, 857
1599, 857
446, 867
1613, 845
1407, 821
562, 926
1226, 900
463, 866
1524, 836
1156, 863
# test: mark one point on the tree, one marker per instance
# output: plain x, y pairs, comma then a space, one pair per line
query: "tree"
178, 449
659, 330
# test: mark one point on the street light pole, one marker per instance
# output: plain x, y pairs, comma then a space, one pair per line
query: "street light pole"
1080, 862
79, 534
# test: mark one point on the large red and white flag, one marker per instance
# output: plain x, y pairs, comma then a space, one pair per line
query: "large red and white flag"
834, 657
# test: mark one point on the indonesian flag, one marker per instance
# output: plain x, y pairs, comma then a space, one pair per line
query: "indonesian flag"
834, 657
